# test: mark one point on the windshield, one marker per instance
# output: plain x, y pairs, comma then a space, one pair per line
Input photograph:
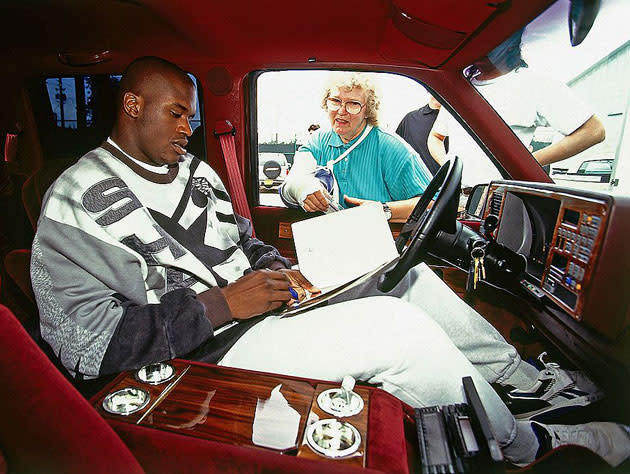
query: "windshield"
567, 104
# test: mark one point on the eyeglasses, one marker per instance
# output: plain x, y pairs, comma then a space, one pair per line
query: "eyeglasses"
352, 106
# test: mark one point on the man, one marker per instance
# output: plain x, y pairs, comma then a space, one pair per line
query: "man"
502, 77
355, 159
139, 258
415, 128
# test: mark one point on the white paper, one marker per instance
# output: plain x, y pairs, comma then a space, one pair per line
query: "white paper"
336, 248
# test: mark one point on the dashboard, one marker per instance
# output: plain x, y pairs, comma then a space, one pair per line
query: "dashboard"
575, 249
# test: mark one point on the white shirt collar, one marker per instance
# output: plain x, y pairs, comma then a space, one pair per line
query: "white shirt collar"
155, 169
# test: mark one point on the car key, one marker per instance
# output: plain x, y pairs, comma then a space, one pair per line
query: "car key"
478, 253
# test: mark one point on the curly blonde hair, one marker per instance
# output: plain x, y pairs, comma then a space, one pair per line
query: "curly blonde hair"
355, 80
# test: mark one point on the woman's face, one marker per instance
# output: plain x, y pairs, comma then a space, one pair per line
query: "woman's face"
347, 125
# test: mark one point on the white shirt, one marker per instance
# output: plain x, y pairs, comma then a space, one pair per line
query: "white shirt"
527, 101
545, 106
477, 167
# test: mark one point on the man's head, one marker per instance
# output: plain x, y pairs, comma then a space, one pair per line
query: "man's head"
433, 103
350, 100
501, 60
155, 103
312, 128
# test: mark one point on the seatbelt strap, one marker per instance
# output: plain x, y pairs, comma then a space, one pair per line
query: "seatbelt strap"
366, 132
225, 131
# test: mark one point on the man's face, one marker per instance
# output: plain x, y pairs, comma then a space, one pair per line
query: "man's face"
347, 125
434, 104
163, 123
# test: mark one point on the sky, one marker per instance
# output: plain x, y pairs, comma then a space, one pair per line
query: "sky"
547, 46
290, 101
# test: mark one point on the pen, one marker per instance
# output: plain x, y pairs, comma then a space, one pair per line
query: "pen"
334, 206
294, 294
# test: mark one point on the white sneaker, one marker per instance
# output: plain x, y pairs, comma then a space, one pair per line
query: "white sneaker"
554, 389
611, 441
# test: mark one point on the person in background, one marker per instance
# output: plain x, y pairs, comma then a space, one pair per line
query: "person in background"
356, 160
502, 76
312, 128
415, 127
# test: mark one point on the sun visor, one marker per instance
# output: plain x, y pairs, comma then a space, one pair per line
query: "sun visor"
428, 32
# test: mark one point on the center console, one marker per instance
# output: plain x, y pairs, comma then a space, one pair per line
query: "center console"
340, 426
287, 415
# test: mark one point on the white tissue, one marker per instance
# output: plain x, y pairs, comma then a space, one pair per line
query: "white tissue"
276, 424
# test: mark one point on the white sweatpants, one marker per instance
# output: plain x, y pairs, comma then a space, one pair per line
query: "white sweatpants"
477, 339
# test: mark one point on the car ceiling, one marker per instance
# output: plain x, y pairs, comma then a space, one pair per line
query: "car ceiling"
447, 34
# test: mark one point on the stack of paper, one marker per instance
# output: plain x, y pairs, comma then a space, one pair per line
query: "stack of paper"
336, 248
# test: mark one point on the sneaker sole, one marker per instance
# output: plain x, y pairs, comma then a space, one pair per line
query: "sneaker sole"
565, 404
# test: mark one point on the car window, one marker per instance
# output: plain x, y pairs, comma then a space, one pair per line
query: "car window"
567, 104
289, 112
75, 114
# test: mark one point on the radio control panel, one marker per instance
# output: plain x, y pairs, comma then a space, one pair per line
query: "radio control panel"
572, 254
560, 235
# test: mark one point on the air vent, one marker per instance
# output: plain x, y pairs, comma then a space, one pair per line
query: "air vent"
495, 203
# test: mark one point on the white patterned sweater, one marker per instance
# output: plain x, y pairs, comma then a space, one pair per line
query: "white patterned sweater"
123, 259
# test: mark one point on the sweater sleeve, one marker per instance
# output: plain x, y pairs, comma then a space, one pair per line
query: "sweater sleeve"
259, 254
93, 306
155, 332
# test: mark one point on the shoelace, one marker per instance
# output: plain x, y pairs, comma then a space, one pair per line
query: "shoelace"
550, 367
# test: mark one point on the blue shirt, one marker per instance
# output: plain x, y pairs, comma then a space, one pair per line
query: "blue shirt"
381, 168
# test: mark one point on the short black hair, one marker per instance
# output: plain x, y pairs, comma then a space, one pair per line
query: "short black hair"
137, 68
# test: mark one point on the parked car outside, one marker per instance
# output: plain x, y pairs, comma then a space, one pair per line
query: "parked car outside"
272, 170
591, 174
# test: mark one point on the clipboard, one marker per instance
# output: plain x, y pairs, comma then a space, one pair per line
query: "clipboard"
326, 296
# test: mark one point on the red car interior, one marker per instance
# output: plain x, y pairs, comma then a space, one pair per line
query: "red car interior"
46, 425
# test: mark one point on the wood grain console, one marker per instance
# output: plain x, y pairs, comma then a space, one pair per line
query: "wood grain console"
212, 403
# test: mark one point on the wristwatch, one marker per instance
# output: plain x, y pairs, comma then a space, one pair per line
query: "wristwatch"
387, 211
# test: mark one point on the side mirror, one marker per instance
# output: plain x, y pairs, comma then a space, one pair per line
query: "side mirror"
582, 15
476, 201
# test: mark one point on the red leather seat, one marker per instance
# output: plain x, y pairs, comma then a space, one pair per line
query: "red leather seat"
16, 264
46, 425
18, 293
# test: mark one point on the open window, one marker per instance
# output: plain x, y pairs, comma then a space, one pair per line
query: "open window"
289, 110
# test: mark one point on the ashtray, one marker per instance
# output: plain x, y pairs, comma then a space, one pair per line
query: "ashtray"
155, 374
126, 401
333, 438
334, 402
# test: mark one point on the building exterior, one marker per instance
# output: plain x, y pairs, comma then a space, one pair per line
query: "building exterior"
611, 104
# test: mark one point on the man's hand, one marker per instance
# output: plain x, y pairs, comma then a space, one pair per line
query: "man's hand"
317, 201
300, 283
256, 293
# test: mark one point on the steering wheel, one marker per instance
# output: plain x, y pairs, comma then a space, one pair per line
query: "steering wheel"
425, 222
